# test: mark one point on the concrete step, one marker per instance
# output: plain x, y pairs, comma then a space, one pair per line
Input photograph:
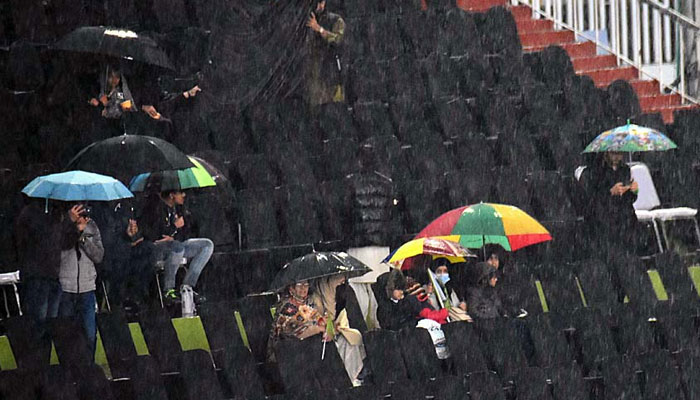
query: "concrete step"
521, 12
534, 25
667, 112
546, 38
645, 88
479, 5
659, 101
583, 64
575, 50
604, 77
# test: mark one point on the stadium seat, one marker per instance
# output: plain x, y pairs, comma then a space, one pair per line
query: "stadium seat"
456, 118
199, 377
30, 342
634, 333
419, 28
253, 171
384, 356
372, 120
531, 384
383, 36
424, 200
367, 82
592, 338
619, 379
336, 214
485, 385
258, 222
465, 348
405, 81
550, 197
597, 287
91, 382
297, 207
117, 342
689, 364
335, 122
240, 376
503, 339
146, 380
661, 377
161, 338
568, 383
549, 343
257, 320
220, 326
57, 380
419, 354
19, 384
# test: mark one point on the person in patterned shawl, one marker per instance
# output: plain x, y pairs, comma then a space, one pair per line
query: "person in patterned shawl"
295, 317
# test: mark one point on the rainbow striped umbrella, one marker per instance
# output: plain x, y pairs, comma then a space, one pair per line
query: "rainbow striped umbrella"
189, 178
488, 223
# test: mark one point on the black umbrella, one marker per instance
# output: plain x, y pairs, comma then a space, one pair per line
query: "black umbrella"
318, 265
124, 157
114, 42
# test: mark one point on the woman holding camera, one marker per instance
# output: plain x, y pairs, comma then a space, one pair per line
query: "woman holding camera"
77, 275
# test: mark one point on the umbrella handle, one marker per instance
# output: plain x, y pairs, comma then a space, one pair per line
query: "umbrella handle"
323, 352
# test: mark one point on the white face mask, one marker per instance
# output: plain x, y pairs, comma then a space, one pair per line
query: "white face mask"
444, 278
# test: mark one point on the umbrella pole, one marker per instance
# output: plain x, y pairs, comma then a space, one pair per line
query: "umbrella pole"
323, 352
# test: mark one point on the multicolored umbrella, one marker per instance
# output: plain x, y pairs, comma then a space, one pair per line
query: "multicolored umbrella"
445, 246
630, 138
190, 178
487, 223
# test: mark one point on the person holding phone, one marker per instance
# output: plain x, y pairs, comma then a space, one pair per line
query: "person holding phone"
323, 68
78, 274
610, 218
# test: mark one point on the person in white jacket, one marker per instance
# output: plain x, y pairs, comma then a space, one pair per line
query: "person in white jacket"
77, 276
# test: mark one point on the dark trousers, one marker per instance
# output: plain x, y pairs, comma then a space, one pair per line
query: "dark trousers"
81, 306
41, 298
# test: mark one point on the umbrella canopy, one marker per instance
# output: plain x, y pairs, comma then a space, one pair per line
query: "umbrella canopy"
318, 265
129, 155
77, 186
114, 42
445, 246
630, 138
486, 223
190, 178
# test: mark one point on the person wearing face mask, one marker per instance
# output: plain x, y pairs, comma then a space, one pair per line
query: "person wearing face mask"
440, 268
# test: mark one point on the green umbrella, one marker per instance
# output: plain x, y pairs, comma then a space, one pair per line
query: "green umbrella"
190, 178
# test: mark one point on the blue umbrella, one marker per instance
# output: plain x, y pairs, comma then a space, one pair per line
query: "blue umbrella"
77, 186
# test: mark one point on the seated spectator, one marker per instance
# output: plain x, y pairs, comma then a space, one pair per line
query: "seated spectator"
77, 275
483, 298
405, 305
115, 96
457, 308
128, 265
166, 223
347, 340
296, 317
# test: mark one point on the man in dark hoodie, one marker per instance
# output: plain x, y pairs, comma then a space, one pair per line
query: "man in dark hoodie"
42, 231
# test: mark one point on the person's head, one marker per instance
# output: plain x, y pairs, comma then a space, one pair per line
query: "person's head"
114, 77
440, 268
395, 285
320, 7
613, 158
174, 197
299, 290
493, 260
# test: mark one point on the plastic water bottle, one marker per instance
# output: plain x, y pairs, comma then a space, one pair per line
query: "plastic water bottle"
187, 296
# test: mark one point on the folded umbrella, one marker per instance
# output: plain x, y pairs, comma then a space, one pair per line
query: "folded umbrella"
318, 265
77, 186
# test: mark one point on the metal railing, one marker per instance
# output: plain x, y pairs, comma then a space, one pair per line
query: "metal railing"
650, 35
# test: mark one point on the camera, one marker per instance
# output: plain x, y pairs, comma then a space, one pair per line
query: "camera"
87, 210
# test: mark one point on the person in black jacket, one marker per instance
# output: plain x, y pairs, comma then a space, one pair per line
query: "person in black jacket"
167, 223
483, 300
42, 231
397, 308
611, 192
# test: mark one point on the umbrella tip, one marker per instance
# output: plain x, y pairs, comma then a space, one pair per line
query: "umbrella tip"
628, 121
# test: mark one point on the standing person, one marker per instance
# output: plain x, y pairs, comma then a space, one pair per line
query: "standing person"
167, 223
348, 341
323, 69
78, 273
42, 231
610, 219
115, 96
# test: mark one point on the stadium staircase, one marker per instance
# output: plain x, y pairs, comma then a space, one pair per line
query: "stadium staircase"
537, 34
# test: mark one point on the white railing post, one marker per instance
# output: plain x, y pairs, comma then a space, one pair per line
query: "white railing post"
658, 37
668, 49
558, 13
646, 37
623, 29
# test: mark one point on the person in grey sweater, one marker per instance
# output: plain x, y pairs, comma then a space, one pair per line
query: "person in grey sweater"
77, 276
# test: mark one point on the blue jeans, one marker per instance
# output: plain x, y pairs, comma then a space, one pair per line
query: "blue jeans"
198, 250
82, 305
41, 298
